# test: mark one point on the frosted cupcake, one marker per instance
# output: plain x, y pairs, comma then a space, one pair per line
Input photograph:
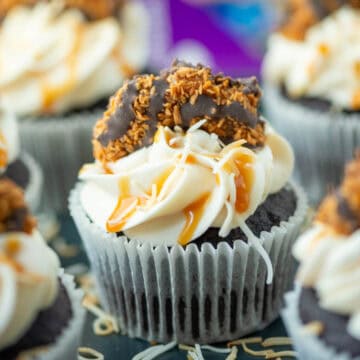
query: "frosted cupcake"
312, 88
59, 60
17, 165
187, 214
323, 314
41, 315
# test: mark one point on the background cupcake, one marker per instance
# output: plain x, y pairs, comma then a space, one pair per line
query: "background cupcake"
163, 207
40, 308
16, 164
59, 60
323, 314
312, 81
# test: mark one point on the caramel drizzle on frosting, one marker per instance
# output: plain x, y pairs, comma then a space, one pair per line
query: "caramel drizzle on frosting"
3, 151
302, 14
92, 9
14, 213
340, 210
181, 97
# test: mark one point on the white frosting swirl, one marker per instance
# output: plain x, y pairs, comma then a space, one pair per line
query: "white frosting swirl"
324, 65
52, 60
330, 263
184, 183
28, 282
9, 139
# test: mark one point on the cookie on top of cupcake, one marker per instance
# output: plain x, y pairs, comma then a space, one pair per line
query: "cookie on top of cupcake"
189, 182
323, 314
40, 308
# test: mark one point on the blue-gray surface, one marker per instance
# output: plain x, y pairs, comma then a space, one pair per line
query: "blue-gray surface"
117, 347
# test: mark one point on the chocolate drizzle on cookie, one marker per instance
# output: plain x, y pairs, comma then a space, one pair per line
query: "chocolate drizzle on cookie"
180, 96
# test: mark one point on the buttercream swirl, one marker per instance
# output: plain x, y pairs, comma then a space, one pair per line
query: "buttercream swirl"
184, 183
28, 282
52, 60
329, 262
324, 65
9, 139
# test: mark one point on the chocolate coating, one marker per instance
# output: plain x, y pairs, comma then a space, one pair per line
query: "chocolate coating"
180, 96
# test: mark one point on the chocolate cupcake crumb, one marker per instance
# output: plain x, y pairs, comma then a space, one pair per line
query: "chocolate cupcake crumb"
180, 96
14, 213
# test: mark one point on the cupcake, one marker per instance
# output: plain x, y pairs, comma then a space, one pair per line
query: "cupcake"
16, 165
59, 61
187, 214
312, 88
41, 312
323, 313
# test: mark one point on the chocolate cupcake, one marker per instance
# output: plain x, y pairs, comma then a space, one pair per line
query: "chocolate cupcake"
59, 61
41, 314
187, 214
17, 165
323, 314
312, 80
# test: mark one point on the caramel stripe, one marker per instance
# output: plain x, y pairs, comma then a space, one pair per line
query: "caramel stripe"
345, 211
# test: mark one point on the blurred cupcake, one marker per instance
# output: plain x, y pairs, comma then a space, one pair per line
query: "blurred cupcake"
59, 61
312, 88
16, 165
187, 214
41, 312
323, 314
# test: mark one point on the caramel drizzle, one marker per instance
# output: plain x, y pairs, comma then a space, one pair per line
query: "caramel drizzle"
128, 204
4, 158
193, 214
51, 93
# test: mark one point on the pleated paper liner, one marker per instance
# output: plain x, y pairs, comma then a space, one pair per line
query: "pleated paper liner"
61, 146
186, 294
323, 141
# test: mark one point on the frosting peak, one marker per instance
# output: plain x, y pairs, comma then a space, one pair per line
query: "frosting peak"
53, 60
324, 65
28, 267
184, 183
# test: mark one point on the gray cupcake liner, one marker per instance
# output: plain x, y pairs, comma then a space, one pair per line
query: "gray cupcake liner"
186, 294
34, 187
61, 145
308, 346
323, 141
